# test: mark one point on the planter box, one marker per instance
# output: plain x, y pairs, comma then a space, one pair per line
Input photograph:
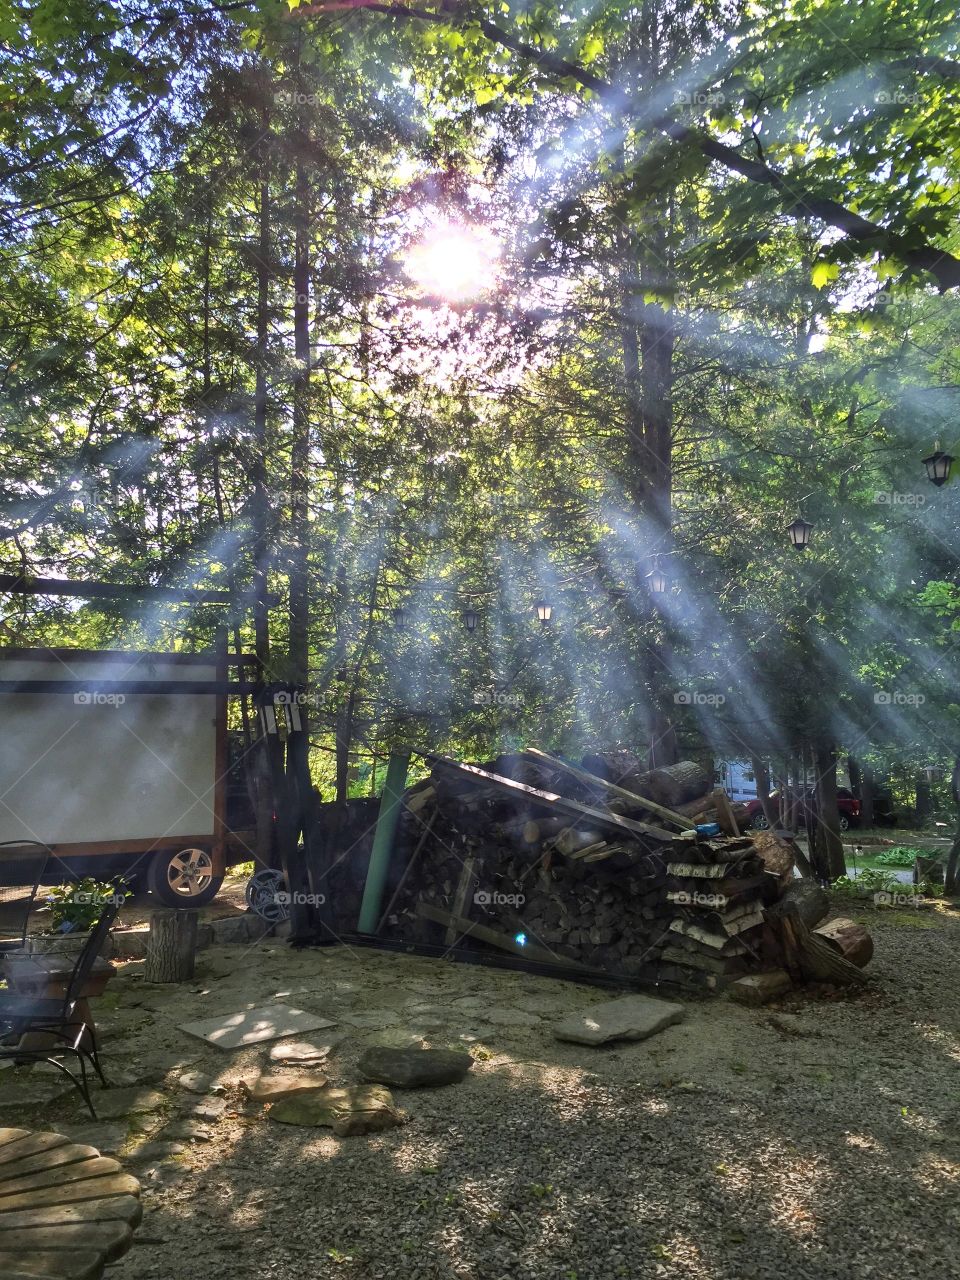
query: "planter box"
55, 944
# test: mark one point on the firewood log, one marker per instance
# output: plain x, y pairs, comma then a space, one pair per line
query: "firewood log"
848, 939
571, 839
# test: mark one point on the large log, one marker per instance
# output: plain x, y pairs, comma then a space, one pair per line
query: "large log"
594, 780
675, 783
803, 898
171, 946
670, 786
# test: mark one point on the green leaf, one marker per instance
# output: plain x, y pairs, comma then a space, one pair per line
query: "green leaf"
823, 273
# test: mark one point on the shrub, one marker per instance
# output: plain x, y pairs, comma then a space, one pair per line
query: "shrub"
76, 907
902, 855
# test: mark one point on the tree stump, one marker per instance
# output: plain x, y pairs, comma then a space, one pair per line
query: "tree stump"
804, 898
171, 946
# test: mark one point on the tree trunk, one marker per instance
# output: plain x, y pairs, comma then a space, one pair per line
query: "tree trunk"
171, 947
867, 791
951, 879
762, 775
263, 765
923, 806
856, 776
299, 575
828, 858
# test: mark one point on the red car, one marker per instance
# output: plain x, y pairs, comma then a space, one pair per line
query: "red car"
847, 804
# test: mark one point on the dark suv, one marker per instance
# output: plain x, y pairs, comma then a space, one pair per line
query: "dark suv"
847, 804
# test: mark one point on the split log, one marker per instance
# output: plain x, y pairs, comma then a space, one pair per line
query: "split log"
537, 829
417, 798
757, 988
171, 946
848, 939
777, 853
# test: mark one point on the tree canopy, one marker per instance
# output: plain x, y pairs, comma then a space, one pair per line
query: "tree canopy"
716, 288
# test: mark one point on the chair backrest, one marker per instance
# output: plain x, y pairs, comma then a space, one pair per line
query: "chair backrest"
91, 949
24, 861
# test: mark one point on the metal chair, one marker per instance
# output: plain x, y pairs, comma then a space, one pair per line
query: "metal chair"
15, 904
21, 1015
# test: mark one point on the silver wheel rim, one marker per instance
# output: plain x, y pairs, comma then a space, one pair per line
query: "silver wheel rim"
266, 895
189, 872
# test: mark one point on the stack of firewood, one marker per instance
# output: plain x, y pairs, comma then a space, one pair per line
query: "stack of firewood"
596, 866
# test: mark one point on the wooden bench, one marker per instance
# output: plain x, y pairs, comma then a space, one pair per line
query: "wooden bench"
65, 1210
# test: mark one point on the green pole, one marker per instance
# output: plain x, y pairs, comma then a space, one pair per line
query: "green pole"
390, 801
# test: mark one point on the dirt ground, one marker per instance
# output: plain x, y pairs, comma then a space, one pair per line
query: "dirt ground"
814, 1138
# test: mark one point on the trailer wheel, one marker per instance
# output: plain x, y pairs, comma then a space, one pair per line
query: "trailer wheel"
183, 877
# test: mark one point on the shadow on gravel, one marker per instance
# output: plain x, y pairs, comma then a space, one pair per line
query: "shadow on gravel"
803, 1157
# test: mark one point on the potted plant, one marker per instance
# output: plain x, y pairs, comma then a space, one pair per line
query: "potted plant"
73, 909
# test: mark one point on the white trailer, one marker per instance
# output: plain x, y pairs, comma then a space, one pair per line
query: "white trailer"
117, 762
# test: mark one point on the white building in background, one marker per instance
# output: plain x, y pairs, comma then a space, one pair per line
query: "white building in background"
737, 779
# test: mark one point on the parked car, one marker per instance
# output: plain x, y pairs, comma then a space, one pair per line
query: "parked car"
847, 804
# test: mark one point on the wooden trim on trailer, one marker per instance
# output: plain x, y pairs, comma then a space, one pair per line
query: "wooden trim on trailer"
205, 656
220, 762
143, 687
240, 843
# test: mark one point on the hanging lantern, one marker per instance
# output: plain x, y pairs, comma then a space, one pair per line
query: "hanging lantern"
470, 619
657, 581
938, 466
800, 532
932, 772
544, 612
399, 615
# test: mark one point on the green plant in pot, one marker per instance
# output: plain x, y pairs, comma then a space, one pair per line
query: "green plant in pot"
73, 909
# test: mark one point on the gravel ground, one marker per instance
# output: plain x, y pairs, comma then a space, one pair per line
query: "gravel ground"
815, 1138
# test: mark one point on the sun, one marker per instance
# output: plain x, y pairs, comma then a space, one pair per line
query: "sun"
455, 262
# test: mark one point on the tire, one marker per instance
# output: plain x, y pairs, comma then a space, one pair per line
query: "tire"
759, 822
183, 877
844, 822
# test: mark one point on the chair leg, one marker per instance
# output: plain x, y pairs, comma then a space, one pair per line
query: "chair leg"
84, 1085
80, 1081
94, 1055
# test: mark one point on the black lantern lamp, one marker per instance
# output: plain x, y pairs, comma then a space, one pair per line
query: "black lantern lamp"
399, 615
470, 619
800, 532
938, 466
657, 581
544, 612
